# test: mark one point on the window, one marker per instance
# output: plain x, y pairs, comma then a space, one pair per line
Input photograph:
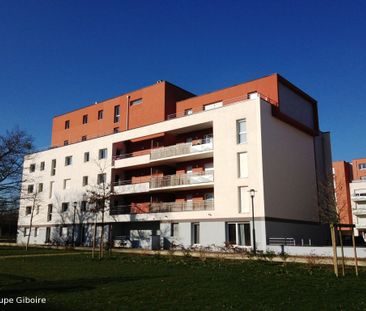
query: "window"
363, 177
64, 232
42, 166
35, 231
85, 119
49, 212
53, 167
66, 142
188, 112
116, 130
67, 124
48, 235
83, 206
101, 178
174, 229
28, 210
26, 231
67, 183
40, 187
241, 129
243, 200
243, 164
102, 153
238, 234
100, 114
86, 156
195, 233
209, 169
209, 196
85, 181
65, 206
51, 189
32, 168
212, 106
362, 166
116, 114
136, 102
83, 138
68, 160
30, 188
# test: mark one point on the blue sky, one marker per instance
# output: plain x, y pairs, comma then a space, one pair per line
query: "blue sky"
56, 56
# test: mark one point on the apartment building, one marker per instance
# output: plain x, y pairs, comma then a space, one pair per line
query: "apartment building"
350, 189
181, 167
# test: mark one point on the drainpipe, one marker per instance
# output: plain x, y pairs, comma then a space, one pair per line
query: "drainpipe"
127, 110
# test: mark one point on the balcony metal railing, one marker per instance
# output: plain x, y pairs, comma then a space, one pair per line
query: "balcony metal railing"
181, 179
171, 151
162, 207
182, 149
145, 183
357, 197
167, 207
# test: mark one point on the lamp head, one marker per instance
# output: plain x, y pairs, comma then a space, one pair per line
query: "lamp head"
252, 192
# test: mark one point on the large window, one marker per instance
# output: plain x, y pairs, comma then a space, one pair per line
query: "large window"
101, 179
67, 183
42, 166
116, 114
238, 234
243, 200
30, 188
67, 124
100, 114
86, 156
195, 233
362, 166
49, 212
68, 160
65, 206
85, 181
174, 229
85, 119
53, 167
243, 164
241, 129
102, 153
32, 168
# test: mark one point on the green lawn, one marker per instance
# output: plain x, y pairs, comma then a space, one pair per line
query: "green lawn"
133, 282
20, 250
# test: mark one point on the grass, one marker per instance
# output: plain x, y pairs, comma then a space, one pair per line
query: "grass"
133, 282
20, 250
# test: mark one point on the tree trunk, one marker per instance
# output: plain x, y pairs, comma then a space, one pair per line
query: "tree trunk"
101, 243
30, 227
94, 236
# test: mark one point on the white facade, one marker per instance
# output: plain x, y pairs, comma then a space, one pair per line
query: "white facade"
358, 203
275, 158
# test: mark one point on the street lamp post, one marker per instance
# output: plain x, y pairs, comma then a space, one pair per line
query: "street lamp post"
73, 225
252, 193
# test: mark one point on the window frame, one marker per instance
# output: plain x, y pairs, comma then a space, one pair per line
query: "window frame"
239, 133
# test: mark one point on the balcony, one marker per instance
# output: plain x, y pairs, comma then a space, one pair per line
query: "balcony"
169, 182
163, 207
359, 211
126, 187
182, 181
179, 150
200, 149
359, 197
168, 207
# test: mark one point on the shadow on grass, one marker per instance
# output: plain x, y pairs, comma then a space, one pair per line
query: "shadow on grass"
30, 285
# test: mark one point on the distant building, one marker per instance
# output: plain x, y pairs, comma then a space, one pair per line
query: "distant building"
350, 188
181, 167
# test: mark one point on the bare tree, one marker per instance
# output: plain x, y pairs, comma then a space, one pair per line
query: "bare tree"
31, 196
14, 146
327, 203
99, 195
